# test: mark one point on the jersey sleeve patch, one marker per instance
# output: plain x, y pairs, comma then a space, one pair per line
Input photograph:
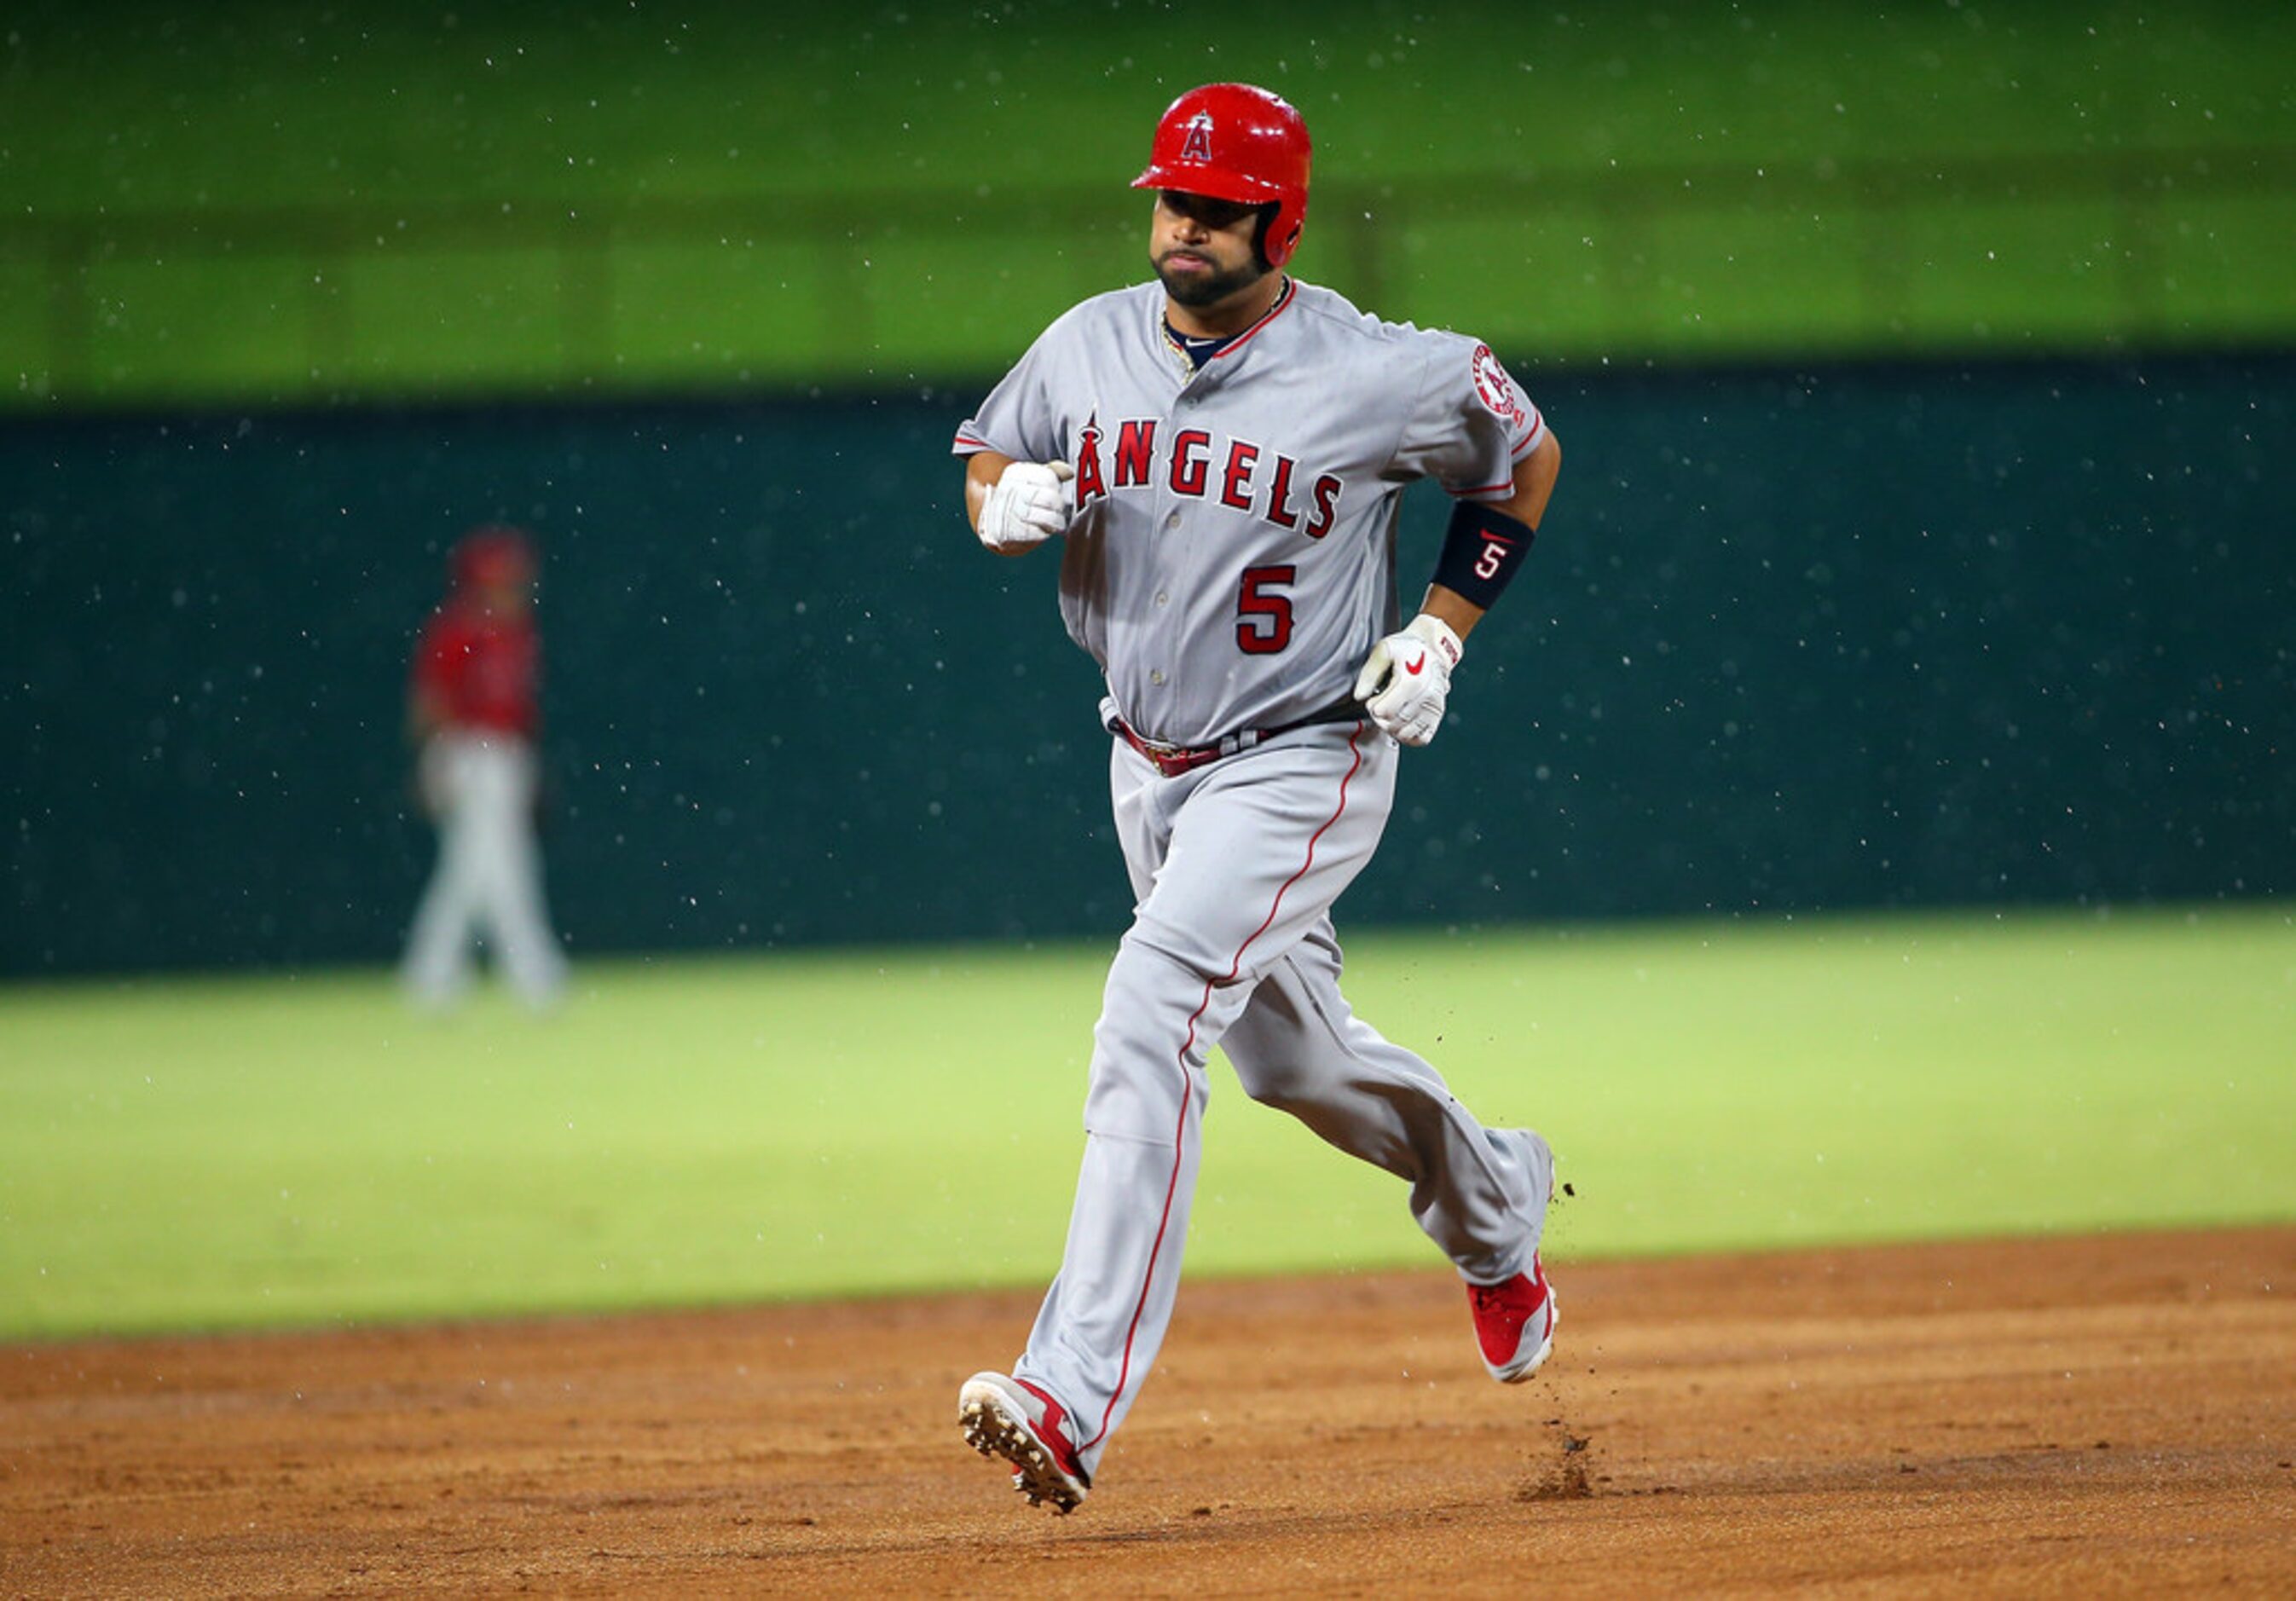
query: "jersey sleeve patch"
1497, 392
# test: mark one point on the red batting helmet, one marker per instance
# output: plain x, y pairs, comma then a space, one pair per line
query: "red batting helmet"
1236, 142
494, 554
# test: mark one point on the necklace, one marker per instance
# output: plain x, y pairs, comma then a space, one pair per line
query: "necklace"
1191, 352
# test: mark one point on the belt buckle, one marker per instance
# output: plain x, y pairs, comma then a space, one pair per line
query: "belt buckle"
1156, 751
1172, 760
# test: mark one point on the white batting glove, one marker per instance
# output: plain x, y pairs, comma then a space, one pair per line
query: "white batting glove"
1028, 504
1406, 680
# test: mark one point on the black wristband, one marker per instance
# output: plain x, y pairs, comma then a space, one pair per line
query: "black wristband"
1481, 552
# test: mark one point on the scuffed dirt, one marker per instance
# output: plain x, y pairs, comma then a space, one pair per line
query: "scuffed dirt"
2075, 1416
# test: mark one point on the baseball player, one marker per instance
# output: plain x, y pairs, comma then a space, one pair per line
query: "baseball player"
472, 712
1222, 454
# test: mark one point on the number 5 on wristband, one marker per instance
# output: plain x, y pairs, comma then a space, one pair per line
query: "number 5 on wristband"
1481, 551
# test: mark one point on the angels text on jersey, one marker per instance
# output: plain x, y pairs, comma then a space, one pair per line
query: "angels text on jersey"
1201, 465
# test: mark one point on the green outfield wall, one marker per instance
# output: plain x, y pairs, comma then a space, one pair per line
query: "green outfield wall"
1870, 636
267, 204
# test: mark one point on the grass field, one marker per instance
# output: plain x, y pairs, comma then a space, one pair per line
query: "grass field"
232, 1152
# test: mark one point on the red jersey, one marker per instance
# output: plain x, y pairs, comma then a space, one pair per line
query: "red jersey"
481, 668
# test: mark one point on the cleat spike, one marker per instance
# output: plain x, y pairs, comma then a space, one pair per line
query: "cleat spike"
1002, 1417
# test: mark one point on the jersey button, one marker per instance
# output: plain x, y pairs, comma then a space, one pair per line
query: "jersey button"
1156, 678
1172, 522
1163, 600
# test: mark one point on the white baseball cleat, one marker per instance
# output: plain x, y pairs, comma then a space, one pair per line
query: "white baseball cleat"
1012, 1418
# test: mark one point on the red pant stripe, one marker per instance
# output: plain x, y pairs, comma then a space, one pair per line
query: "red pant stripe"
1172, 1188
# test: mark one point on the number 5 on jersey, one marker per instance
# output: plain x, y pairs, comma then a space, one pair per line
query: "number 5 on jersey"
1263, 612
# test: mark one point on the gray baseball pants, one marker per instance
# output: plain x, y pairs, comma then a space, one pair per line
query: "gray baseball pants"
1236, 866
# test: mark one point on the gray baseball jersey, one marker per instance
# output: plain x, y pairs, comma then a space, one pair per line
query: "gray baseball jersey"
1252, 502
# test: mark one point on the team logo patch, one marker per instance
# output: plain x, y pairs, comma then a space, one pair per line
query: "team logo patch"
1496, 390
1197, 145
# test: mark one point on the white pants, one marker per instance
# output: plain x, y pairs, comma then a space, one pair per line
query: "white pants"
1236, 865
488, 885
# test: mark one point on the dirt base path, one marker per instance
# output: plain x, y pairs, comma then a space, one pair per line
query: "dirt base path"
2072, 1416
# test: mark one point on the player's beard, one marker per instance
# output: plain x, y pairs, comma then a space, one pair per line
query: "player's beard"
1197, 290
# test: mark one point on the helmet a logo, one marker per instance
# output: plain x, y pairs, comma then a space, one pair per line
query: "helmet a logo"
1197, 146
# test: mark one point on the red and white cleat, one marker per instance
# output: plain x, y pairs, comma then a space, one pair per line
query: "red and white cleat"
1011, 1418
1514, 1324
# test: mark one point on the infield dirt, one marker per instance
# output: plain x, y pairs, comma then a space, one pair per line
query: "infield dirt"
2095, 1415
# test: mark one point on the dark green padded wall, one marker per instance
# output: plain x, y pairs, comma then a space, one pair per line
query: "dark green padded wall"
1853, 638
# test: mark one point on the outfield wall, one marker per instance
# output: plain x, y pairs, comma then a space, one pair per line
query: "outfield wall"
1851, 637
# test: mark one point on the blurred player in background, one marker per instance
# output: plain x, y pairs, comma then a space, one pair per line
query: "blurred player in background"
472, 715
